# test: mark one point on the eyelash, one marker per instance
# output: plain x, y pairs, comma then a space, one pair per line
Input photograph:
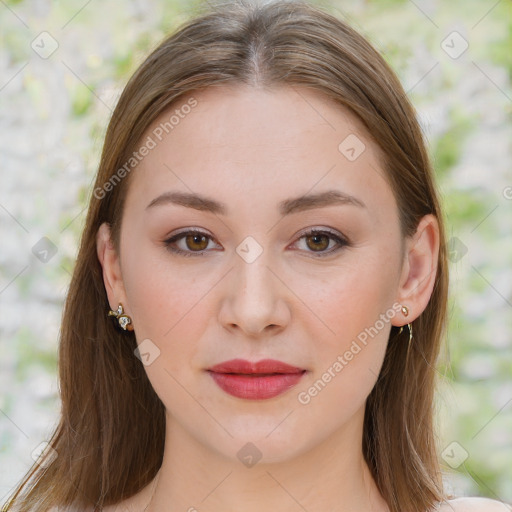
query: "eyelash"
343, 242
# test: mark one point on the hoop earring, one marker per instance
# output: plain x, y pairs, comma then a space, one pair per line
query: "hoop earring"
405, 311
125, 322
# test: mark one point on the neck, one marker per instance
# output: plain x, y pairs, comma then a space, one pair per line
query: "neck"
330, 476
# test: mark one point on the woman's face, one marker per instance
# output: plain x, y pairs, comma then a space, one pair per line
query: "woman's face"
251, 171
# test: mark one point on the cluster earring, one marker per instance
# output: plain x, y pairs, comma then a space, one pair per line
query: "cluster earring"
405, 311
125, 322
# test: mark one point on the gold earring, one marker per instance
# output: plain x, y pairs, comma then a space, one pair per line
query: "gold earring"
125, 322
405, 311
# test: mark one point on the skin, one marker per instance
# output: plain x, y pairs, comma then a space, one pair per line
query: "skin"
251, 149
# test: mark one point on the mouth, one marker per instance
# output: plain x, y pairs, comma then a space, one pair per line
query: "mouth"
255, 381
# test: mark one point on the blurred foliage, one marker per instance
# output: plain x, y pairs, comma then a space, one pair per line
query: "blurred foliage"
32, 356
447, 150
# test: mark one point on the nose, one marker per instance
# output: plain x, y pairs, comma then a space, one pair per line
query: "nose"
255, 298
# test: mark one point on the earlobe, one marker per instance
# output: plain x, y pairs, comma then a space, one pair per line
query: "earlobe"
109, 260
420, 268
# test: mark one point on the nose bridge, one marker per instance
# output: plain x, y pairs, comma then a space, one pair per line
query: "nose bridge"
255, 302
253, 279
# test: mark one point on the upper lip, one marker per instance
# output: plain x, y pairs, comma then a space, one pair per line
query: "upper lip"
258, 367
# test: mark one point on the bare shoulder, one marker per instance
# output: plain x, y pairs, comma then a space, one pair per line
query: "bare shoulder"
474, 505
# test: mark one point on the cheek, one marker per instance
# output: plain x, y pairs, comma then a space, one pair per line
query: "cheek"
169, 308
355, 308
158, 296
167, 313
348, 362
350, 300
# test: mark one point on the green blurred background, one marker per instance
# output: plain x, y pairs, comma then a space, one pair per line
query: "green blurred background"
62, 67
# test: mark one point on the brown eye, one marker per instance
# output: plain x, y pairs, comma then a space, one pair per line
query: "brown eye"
188, 243
196, 241
318, 242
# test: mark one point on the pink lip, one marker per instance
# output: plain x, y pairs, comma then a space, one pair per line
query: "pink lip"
263, 366
264, 379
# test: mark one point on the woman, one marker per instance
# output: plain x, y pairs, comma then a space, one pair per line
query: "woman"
260, 292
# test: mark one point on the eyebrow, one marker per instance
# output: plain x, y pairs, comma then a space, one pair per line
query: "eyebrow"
286, 207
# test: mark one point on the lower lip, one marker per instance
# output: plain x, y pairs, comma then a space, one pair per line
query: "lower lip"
253, 387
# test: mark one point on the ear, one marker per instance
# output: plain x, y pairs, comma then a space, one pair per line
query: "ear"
109, 260
419, 270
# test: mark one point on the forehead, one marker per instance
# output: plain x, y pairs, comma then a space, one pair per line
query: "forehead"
236, 141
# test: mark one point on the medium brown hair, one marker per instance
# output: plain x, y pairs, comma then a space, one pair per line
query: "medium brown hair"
110, 437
